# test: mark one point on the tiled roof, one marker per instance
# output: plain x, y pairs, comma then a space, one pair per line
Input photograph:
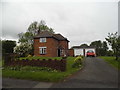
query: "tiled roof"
59, 37
49, 34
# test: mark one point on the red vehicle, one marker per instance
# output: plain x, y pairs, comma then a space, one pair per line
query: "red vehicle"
90, 53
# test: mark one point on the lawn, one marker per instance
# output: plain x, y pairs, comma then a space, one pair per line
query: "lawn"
53, 76
111, 61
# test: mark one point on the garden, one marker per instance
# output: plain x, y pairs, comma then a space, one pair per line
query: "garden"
73, 64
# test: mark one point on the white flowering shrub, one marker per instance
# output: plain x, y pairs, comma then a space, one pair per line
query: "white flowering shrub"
23, 49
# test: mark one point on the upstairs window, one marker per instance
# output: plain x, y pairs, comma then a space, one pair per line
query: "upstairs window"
43, 50
42, 39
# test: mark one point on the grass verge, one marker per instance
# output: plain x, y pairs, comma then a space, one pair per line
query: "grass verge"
43, 75
112, 61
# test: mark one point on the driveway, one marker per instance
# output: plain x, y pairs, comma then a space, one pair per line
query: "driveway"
95, 74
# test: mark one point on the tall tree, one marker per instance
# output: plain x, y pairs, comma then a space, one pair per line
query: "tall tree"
27, 37
84, 45
97, 45
8, 46
33, 29
114, 41
110, 53
104, 48
101, 47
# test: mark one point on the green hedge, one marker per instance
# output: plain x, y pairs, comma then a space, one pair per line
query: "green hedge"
41, 58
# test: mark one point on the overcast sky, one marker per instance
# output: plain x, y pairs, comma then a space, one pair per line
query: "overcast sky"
80, 22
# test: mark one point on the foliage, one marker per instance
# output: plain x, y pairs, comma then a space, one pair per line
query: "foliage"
101, 47
83, 45
111, 60
1, 63
29, 56
104, 49
33, 29
43, 75
8, 45
41, 58
110, 53
77, 62
114, 41
23, 49
27, 38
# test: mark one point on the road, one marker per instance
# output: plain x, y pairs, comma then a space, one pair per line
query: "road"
95, 74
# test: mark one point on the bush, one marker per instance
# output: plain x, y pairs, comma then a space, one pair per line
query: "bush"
29, 55
77, 62
24, 49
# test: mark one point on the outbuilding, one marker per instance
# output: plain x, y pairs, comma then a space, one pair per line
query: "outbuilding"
78, 50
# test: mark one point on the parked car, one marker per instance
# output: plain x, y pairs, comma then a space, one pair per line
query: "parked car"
90, 53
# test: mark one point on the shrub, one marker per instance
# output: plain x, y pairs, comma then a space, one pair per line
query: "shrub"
23, 49
77, 62
29, 55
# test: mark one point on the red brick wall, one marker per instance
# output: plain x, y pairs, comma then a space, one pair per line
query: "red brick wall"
71, 52
64, 45
51, 45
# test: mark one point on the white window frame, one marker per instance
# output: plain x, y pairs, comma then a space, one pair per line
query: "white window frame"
43, 50
42, 40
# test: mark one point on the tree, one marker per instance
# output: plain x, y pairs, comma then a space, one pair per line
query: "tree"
114, 41
104, 49
33, 29
28, 37
101, 47
97, 45
84, 45
8, 46
110, 53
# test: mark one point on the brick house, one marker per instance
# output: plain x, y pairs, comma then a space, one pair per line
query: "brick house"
47, 44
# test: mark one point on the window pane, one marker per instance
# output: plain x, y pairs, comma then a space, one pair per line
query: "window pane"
42, 39
42, 50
